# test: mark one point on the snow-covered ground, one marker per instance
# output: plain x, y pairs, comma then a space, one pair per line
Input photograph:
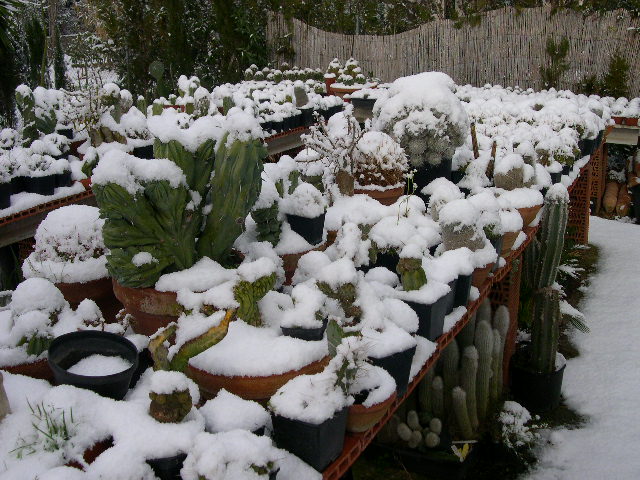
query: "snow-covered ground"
604, 381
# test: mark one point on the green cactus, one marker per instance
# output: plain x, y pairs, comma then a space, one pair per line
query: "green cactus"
495, 389
268, 225
554, 224
412, 274
227, 104
157, 107
36, 343
170, 407
437, 397
545, 330
450, 361
179, 361
234, 190
33, 125
141, 104
468, 379
484, 345
248, 294
424, 391
346, 295
156, 70
461, 412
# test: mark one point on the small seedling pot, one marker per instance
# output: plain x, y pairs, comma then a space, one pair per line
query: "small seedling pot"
64, 179
556, 177
68, 349
398, 365
65, 132
463, 287
311, 229
318, 445
309, 334
44, 185
431, 317
168, 468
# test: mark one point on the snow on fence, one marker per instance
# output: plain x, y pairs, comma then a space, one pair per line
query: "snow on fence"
507, 48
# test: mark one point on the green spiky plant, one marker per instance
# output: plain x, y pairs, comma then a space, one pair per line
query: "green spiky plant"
164, 221
156, 70
412, 274
34, 125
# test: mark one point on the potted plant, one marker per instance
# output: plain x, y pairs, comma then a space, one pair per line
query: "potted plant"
143, 245
305, 211
305, 319
538, 368
423, 114
70, 252
373, 391
380, 168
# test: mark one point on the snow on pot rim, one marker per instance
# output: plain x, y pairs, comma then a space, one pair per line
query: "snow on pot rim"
519, 198
376, 381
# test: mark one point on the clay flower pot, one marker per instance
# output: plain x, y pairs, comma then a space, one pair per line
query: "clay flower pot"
249, 388
385, 197
100, 291
38, 369
480, 275
528, 214
508, 239
150, 309
290, 262
361, 418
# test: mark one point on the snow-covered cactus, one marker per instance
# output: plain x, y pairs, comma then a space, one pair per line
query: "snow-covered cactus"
484, 345
346, 295
170, 397
457, 220
268, 226
301, 95
459, 400
509, 172
468, 379
33, 125
554, 223
235, 188
411, 273
248, 294
545, 330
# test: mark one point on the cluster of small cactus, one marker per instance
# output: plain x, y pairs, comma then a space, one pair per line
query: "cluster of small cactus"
346, 295
268, 226
34, 125
542, 260
466, 385
247, 294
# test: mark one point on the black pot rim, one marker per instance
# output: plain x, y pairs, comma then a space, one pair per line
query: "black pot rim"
92, 333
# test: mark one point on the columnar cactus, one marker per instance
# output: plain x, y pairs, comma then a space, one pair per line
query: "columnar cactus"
437, 397
484, 344
554, 224
459, 400
545, 332
466, 336
450, 361
496, 367
468, 378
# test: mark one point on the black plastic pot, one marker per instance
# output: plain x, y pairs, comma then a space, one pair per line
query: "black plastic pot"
68, 349
497, 244
363, 107
317, 445
5, 194
387, 260
145, 361
586, 147
431, 317
566, 169
308, 334
44, 185
145, 152
427, 173
66, 132
168, 468
635, 192
64, 179
18, 184
457, 175
463, 287
398, 365
556, 177
310, 229
538, 392
307, 116
450, 297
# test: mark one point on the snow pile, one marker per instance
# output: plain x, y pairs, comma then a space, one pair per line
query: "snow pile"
228, 412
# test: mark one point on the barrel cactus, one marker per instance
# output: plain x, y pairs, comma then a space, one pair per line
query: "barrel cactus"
411, 273
170, 397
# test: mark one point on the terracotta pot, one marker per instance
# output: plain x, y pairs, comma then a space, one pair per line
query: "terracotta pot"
290, 261
327, 84
150, 309
618, 120
480, 275
86, 183
508, 239
342, 91
38, 369
528, 214
331, 237
631, 121
91, 453
385, 197
249, 388
360, 419
100, 291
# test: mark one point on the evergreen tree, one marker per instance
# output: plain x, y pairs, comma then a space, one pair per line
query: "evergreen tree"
557, 66
615, 81
59, 67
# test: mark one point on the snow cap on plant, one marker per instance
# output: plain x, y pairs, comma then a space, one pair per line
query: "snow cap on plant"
380, 160
424, 115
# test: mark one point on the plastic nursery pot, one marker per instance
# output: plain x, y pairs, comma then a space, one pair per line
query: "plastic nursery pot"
538, 392
556, 177
18, 184
360, 418
398, 365
64, 179
5, 194
363, 108
528, 214
318, 445
309, 334
307, 116
385, 197
427, 173
497, 244
461, 294
168, 468
566, 169
430, 317
68, 349
450, 297
457, 175
65, 132
145, 152
310, 229
44, 185
586, 147
508, 239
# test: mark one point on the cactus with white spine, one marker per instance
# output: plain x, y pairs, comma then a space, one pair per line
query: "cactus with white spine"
502, 321
412, 420
484, 312
450, 362
437, 397
404, 432
461, 412
484, 345
415, 439
496, 367
468, 379
466, 336
424, 391
431, 440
